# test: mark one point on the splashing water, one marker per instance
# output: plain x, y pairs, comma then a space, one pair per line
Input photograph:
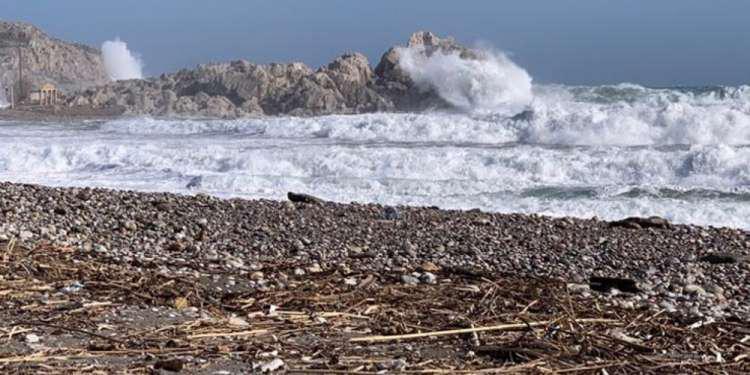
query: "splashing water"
120, 62
492, 83
608, 151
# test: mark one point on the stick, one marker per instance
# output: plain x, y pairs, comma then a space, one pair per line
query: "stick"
70, 329
229, 334
502, 327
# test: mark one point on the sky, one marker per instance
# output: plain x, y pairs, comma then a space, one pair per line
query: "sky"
649, 42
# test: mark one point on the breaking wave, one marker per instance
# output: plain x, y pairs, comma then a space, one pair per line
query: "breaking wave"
119, 62
489, 83
606, 151
623, 115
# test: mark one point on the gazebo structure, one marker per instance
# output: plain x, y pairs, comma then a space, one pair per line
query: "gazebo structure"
47, 95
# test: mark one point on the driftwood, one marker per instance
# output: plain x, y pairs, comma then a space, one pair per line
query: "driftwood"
320, 325
304, 198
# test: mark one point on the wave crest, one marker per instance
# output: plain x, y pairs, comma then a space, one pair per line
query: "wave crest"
489, 83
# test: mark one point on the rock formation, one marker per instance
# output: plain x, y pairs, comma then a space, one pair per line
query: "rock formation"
225, 90
69, 66
236, 89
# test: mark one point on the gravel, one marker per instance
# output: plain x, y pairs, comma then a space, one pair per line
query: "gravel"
687, 269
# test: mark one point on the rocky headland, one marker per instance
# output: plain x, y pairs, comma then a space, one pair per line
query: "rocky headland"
240, 88
69, 66
347, 85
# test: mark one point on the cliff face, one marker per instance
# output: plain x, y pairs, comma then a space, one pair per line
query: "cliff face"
227, 90
68, 66
240, 88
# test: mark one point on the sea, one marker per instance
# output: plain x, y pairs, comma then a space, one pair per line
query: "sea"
608, 151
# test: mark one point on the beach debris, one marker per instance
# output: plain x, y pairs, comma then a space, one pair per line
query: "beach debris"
195, 182
32, 338
409, 280
74, 287
181, 303
720, 258
304, 198
269, 366
576, 288
607, 284
641, 223
129, 315
428, 278
391, 213
393, 365
172, 365
315, 268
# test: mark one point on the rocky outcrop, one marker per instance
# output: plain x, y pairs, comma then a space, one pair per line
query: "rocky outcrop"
69, 66
240, 88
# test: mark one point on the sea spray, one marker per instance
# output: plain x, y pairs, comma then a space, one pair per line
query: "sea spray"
633, 115
120, 62
610, 151
490, 83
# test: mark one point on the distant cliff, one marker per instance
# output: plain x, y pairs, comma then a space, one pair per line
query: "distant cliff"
226, 90
69, 66
236, 89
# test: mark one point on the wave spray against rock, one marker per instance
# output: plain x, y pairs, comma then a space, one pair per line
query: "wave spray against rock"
120, 63
489, 83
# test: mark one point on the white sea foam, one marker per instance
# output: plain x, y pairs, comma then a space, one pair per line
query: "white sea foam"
120, 62
491, 83
633, 115
609, 151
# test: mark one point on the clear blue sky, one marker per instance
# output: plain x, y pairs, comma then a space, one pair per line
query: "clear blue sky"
651, 42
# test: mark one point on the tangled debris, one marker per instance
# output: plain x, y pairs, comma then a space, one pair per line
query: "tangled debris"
71, 310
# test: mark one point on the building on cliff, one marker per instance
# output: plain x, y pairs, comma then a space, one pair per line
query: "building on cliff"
47, 95
30, 56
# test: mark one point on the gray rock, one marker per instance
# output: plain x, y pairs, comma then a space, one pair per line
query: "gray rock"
239, 88
574, 288
668, 306
720, 258
304, 198
428, 278
409, 280
391, 213
694, 289
641, 223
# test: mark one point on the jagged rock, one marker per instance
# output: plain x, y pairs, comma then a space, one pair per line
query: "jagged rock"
240, 88
394, 83
641, 223
69, 66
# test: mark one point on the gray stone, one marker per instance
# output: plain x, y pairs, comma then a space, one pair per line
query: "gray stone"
239, 88
428, 278
409, 280
694, 289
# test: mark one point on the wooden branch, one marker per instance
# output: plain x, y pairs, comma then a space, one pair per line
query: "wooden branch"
502, 327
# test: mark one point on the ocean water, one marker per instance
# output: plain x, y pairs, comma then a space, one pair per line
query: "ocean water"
606, 151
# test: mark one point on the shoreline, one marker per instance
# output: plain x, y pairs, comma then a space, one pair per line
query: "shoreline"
65, 114
233, 266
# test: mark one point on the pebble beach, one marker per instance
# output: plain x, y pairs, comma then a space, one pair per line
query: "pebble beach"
245, 249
